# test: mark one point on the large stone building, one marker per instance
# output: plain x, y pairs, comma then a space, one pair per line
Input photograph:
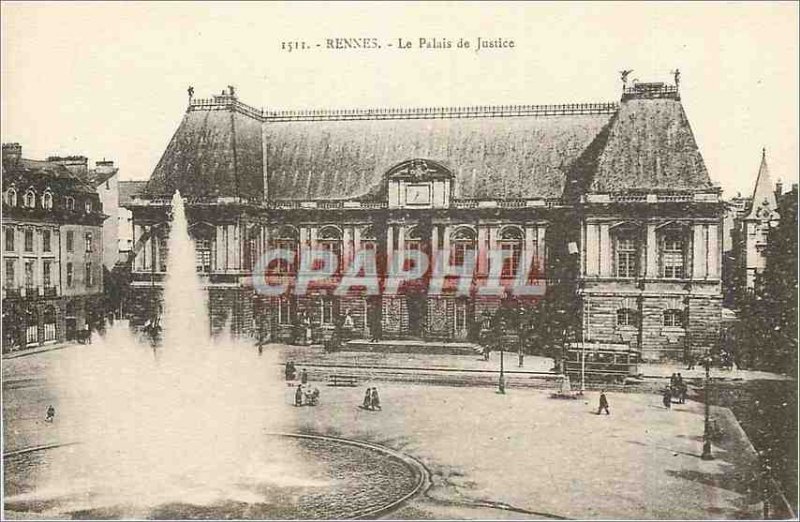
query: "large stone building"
619, 191
52, 251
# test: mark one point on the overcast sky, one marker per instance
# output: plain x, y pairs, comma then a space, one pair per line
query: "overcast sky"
109, 80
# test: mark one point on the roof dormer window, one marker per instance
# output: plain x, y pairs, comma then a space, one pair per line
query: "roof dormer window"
70, 203
88, 206
30, 199
11, 197
47, 200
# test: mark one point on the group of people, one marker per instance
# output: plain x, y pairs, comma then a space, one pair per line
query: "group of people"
677, 388
290, 373
306, 395
372, 400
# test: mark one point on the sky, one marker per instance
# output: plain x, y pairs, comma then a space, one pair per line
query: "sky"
109, 80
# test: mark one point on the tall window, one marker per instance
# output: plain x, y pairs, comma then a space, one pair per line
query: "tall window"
70, 274
625, 246
284, 311
326, 310
49, 320
88, 241
30, 199
89, 275
673, 317
511, 245
70, 241
11, 197
9, 233
29, 286
47, 200
11, 276
626, 317
673, 256
330, 239
46, 266
46, 238
462, 245
88, 206
28, 240
285, 239
203, 253
70, 203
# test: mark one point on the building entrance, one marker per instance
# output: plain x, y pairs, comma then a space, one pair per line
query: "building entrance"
417, 310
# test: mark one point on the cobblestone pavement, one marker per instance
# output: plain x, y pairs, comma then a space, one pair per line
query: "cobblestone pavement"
519, 455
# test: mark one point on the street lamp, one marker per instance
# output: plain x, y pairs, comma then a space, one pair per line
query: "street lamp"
707, 428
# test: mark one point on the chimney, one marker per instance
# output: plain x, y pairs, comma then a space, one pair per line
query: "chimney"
12, 153
778, 188
104, 167
76, 164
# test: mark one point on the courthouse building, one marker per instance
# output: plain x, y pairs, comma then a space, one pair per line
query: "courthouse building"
621, 185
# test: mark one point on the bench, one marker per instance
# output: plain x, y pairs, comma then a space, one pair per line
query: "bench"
342, 380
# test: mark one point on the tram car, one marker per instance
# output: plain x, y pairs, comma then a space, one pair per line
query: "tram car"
602, 362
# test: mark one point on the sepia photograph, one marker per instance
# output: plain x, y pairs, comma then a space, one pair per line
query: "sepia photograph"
399, 260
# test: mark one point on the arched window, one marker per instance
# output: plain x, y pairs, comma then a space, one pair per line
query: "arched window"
69, 202
463, 242
673, 317
673, 255
286, 238
627, 317
47, 200
626, 245
329, 238
369, 241
11, 197
511, 244
30, 199
88, 206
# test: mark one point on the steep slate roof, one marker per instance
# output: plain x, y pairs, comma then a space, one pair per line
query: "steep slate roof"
650, 147
128, 189
513, 156
44, 173
763, 194
213, 153
643, 144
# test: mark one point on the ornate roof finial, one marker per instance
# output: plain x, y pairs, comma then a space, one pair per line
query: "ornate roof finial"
190, 90
763, 153
677, 75
231, 90
624, 76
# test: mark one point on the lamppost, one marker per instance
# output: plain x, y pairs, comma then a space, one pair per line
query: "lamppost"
501, 386
707, 428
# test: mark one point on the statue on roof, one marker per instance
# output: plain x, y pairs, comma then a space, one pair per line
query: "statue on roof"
677, 75
624, 76
230, 90
190, 90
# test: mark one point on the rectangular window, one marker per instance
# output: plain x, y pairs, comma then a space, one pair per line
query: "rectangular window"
512, 254
626, 317
46, 247
284, 311
88, 241
672, 258
10, 239
29, 240
461, 316
626, 257
29, 276
69, 274
46, 265
203, 255
326, 311
89, 278
70, 241
673, 317
11, 268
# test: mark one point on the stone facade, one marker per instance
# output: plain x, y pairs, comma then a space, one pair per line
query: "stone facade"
622, 186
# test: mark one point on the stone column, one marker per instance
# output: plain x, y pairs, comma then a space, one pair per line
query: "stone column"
605, 251
220, 248
347, 247
541, 246
592, 249
714, 257
651, 252
434, 242
699, 252
483, 250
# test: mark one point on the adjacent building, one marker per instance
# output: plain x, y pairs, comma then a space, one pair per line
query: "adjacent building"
618, 191
52, 268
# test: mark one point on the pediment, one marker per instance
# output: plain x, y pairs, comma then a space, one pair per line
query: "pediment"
419, 169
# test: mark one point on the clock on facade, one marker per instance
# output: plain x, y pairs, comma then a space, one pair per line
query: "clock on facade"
418, 194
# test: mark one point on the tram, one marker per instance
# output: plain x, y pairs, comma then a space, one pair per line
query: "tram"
602, 362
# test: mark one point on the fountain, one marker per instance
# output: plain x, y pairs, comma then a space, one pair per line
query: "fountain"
186, 430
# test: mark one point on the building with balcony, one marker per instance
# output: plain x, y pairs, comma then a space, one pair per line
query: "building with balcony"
618, 191
52, 268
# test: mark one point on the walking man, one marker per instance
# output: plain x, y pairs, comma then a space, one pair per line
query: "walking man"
368, 399
667, 399
304, 377
298, 396
376, 401
51, 414
603, 403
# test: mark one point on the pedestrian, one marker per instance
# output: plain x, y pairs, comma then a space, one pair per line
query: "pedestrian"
304, 377
667, 398
690, 363
673, 380
368, 399
298, 396
375, 400
683, 391
51, 414
603, 403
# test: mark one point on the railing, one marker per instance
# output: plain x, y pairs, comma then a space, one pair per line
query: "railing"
50, 291
226, 101
11, 292
650, 90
